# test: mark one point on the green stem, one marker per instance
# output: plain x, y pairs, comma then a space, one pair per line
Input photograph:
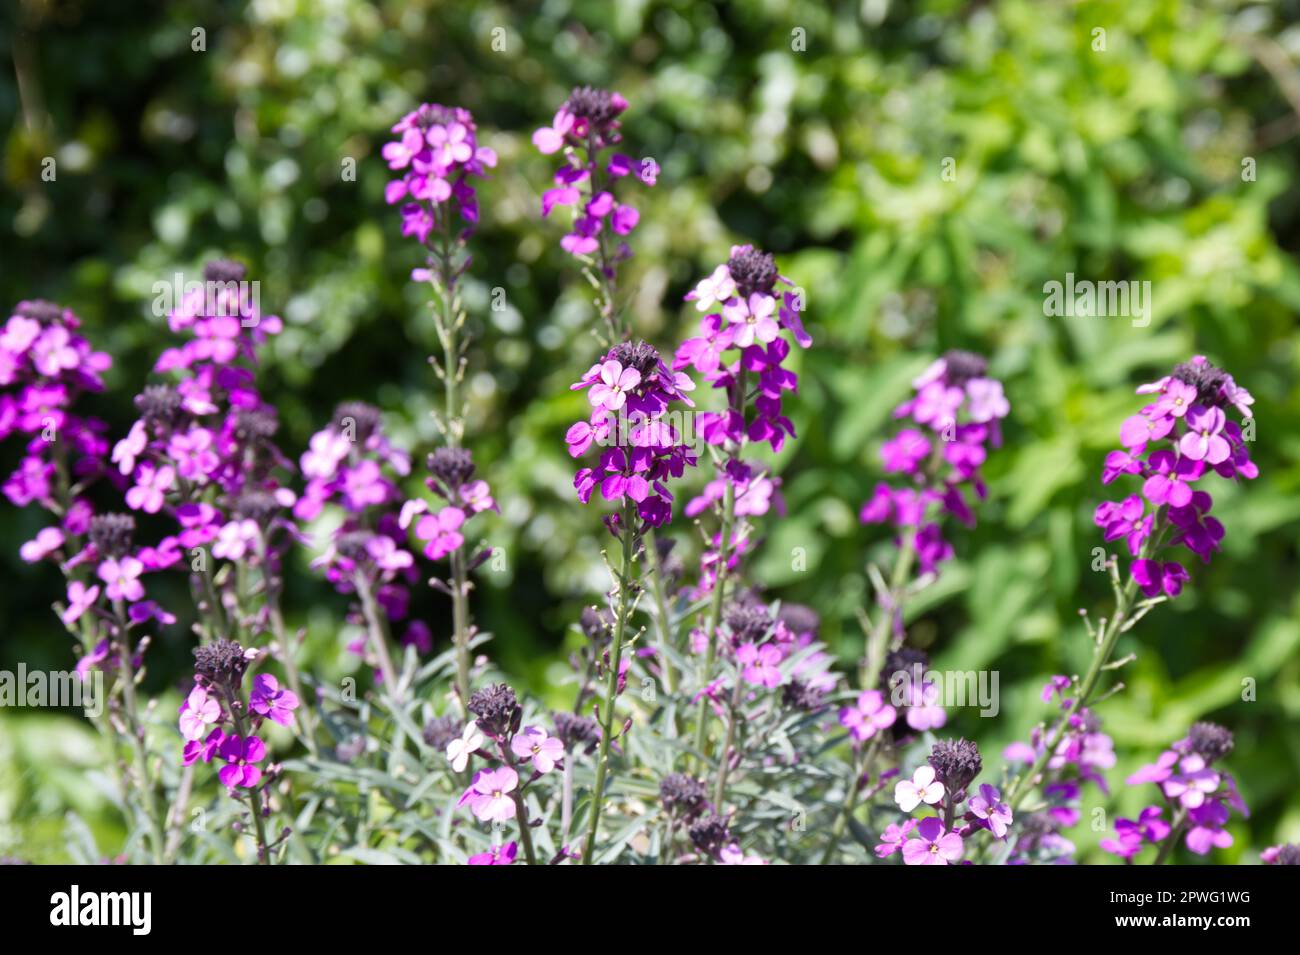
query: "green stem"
272, 585
661, 612
724, 757
137, 731
521, 810
1101, 655
625, 581
850, 802
715, 613
378, 633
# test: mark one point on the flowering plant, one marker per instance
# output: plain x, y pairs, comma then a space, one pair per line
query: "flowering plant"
706, 720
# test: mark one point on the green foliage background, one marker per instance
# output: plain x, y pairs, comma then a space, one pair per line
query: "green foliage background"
1122, 163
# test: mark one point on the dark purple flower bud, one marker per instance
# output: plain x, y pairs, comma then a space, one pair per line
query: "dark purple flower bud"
451, 467
748, 623
441, 730
496, 710
1210, 741
577, 732
710, 835
683, 795
956, 763
798, 695
221, 664
962, 366
260, 506
159, 405
358, 419
1287, 855
40, 310
112, 534
598, 107
223, 271
1207, 379
798, 618
904, 660
753, 271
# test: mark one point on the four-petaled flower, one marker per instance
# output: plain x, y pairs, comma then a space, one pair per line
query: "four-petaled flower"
932, 845
921, 788
533, 743
459, 750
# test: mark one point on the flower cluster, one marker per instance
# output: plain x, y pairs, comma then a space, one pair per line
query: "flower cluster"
943, 784
1080, 755
44, 366
451, 477
217, 722
956, 412
630, 391
1200, 797
1174, 441
748, 304
584, 127
438, 154
203, 449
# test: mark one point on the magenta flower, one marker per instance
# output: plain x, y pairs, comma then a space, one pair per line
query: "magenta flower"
533, 743
237, 539
1203, 440
892, 839
1155, 577
760, 664
921, 788
441, 531
497, 855
610, 392
122, 577
269, 699
489, 794
46, 542
150, 487
80, 599
1171, 482
868, 716
204, 749
989, 809
240, 754
932, 845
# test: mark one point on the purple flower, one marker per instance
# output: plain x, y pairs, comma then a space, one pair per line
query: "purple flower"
1203, 440
1171, 482
615, 380
933, 845
1155, 577
988, 807
441, 531
240, 753
760, 664
497, 855
122, 577
893, 838
80, 599
46, 542
269, 699
488, 796
533, 743
868, 716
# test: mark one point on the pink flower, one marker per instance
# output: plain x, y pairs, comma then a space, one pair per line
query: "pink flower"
869, 716
610, 392
757, 323
131, 447
933, 846
760, 664
80, 599
441, 531
122, 577
489, 795
236, 539
533, 743
921, 788
497, 855
271, 701
46, 542
1203, 441
1171, 482
151, 485
892, 839
198, 713
1175, 399
713, 289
